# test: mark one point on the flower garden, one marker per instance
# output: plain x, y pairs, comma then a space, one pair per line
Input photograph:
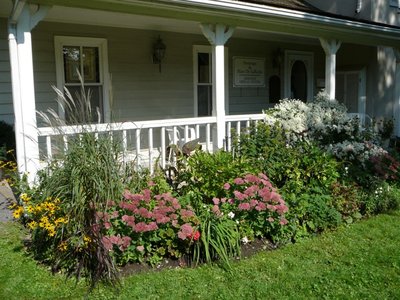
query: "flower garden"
306, 168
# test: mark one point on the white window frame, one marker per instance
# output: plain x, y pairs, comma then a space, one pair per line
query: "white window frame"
208, 49
291, 56
60, 42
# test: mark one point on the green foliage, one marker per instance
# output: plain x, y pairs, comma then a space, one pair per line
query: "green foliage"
89, 175
7, 141
311, 211
297, 166
346, 199
206, 173
219, 241
82, 179
356, 262
380, 197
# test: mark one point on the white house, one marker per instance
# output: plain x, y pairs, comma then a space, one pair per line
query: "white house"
199, 66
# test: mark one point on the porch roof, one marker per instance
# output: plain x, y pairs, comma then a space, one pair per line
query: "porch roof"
292, 17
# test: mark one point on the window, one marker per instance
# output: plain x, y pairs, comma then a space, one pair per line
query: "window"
394, 3
85, 56
203, 81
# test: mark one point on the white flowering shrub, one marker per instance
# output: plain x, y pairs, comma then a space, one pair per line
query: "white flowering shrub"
327, 123
322, 120
353, 151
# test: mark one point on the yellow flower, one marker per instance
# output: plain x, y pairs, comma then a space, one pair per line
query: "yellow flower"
32, 225
30, 209
51, 232
61, 220
25, 198
63, 246
18, 212
86, 240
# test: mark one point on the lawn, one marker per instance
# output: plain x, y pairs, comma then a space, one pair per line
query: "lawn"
361, 261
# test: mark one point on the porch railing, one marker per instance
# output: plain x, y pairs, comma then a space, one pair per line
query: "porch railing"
145, 143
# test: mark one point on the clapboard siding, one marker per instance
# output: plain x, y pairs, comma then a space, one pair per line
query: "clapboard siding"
6, 108
140, 91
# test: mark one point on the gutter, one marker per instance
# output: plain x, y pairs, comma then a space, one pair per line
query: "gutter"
272, 11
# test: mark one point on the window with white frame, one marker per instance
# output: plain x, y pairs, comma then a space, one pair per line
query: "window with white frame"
86, 57
203, 80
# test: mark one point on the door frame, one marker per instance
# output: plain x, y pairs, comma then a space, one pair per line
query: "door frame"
291, 56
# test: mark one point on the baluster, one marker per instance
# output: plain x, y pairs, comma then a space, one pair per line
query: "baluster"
65, 140
49, 150
163, 149
151, 150
137, 148
208, 135
228, 133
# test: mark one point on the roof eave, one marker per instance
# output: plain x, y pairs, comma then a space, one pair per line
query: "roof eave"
249, 15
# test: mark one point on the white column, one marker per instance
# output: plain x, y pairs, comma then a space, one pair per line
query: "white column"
397, 93
218, 35
20, 47
330, 47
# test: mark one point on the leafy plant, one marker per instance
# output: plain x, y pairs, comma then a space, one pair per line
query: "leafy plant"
83, 177
219, 241
255, 205
288, 166
206, 173
148, 227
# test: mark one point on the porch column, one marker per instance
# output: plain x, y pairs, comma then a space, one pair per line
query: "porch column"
330, 47
21, 22
218, 35
397, 93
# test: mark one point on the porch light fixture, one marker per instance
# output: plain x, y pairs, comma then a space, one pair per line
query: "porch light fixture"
159, 52
277, 58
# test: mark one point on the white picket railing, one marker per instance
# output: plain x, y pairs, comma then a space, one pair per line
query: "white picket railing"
146, 142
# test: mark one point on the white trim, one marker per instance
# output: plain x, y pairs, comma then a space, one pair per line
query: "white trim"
361, 89
60, 41
208, 49
250, 8
291, 57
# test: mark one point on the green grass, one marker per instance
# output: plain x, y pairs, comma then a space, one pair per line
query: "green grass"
358, 262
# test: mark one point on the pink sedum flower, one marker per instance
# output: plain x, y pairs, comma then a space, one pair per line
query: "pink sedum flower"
244, 206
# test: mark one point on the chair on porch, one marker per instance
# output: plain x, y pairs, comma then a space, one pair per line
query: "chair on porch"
178, 144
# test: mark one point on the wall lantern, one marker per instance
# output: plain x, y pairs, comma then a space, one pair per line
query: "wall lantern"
277, 58
158, 52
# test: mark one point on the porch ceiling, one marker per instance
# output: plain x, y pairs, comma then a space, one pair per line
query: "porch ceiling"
185, 15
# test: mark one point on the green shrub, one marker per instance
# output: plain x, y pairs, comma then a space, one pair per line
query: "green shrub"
206, 173
380, 197
311, 211
288, 166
